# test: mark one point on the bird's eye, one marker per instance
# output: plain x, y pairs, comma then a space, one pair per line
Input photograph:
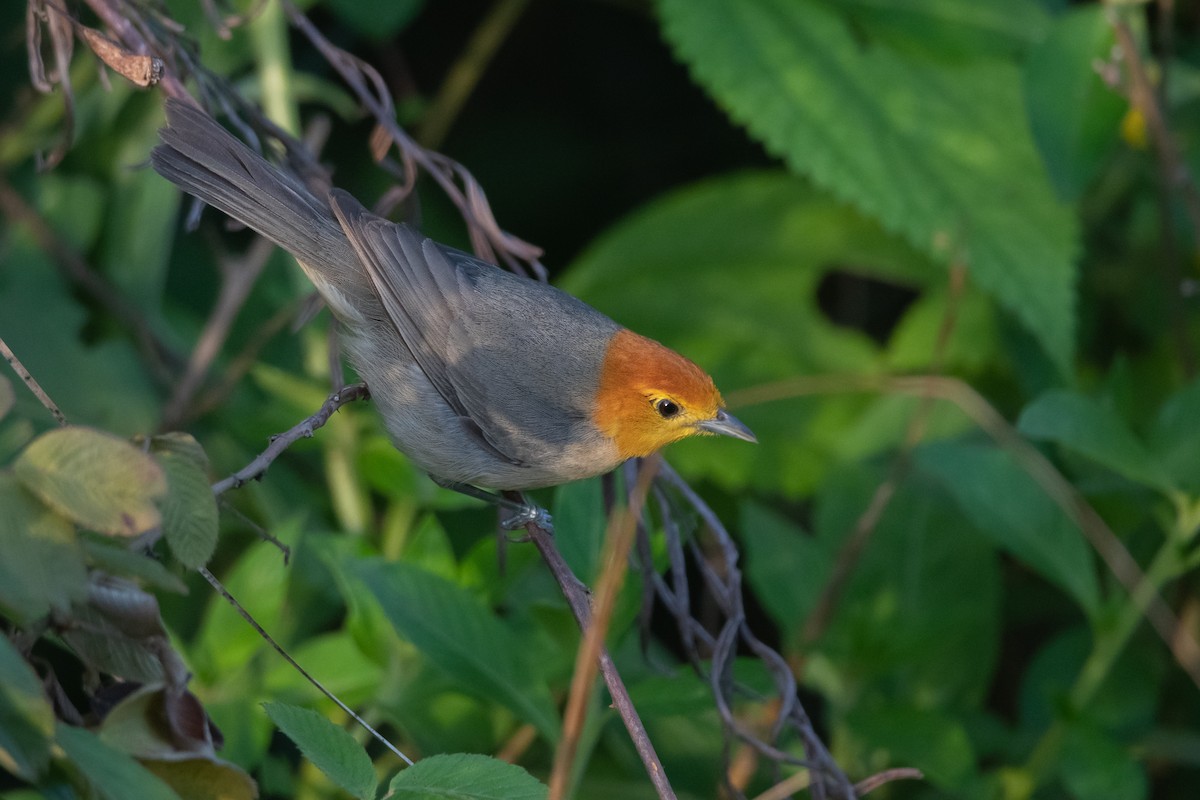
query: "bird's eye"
666, 408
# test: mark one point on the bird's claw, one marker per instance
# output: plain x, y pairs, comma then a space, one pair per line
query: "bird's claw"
526, 515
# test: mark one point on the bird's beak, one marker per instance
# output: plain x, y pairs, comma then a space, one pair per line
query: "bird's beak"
727, 424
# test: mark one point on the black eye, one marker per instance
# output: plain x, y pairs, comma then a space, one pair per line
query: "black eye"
666, 408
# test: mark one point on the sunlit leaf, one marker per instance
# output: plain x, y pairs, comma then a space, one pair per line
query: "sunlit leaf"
939, 152
95, 479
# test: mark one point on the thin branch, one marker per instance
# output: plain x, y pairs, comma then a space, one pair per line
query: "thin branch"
302, 430
618, 542
31, 383
577, 598
253, 623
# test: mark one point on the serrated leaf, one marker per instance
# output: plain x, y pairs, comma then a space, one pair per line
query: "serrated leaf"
459, 636
329, 747
109, 556
97, 480
465, 776
1079, 423
26, 718
938, 152
114, 775
1005, 503
42, 567
189, 511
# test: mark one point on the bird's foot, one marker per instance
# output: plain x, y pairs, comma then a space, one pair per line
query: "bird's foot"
527, 514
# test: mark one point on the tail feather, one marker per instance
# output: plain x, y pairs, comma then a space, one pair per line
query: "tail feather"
202, 158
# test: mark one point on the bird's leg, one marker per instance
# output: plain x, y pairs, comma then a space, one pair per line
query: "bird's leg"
523, 511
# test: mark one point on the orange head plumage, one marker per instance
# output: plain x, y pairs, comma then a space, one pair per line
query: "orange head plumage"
650, 396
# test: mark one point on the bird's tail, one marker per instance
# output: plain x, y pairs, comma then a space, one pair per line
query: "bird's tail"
202, 158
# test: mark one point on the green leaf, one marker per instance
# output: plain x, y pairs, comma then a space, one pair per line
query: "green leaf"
951, 28
460, 637
379, 21
922, 607
786, 566
465, 776
26, 718
938, 152
97, 480
6, 396
1073, 114
189, 511
1011, 509
1095, 767
1175, 438
1081, 424
42, 567
329, 747
580, 523
113, 774
926, 739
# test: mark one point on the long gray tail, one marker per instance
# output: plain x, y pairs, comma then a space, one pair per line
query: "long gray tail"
202, 158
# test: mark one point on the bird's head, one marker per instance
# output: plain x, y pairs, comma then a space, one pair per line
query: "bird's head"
651, 396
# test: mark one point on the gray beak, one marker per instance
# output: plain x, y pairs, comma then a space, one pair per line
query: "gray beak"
727, 424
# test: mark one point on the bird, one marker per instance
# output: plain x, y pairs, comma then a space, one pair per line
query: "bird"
490, 382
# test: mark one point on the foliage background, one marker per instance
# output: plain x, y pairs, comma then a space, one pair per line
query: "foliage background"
827, 195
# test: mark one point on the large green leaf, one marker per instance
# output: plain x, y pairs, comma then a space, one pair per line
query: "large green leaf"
922, 608
95, 479
939, 152
1081, 424
465, 776
329, 747
26, 719
1009, 507
461, 637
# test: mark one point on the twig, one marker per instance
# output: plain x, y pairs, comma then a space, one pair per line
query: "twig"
462, 78
31, 383
282, 441
576, 595
489, 241
238, 278
253, 623
618, 541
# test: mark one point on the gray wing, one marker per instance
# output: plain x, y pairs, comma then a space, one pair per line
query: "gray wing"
517, 360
